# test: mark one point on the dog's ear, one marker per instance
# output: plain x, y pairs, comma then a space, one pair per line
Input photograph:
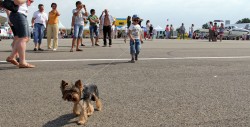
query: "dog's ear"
63, 84
79, 84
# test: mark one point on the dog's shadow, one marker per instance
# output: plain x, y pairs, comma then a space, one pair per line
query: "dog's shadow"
61, 121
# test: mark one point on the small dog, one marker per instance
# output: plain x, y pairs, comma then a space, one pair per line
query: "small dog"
81, 95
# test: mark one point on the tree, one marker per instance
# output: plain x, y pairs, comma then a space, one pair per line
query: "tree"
205, 26
245, 20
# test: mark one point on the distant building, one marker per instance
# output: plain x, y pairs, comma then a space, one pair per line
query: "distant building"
227, 22
120, 22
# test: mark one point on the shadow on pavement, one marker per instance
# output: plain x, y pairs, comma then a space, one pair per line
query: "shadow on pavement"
8, 68
60, 121
113, 63
46, 51
64, 46
3, 63
6, 51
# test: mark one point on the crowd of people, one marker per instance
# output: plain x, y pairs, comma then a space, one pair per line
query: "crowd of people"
214, 32
99, 27
41, 22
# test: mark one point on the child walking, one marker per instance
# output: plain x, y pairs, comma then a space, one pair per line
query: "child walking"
135, 35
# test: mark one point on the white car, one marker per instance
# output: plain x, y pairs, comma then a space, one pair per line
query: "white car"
231, 32
3, 33
235, 33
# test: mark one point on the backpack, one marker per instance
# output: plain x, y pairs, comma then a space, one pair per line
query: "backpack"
9, 5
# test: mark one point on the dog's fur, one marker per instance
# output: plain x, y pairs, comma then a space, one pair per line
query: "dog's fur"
81, 95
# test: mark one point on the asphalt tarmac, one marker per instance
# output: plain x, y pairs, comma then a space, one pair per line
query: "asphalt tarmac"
175, 83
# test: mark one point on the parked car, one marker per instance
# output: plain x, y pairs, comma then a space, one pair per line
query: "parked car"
3, 33
201, 34
175, 35
235, 33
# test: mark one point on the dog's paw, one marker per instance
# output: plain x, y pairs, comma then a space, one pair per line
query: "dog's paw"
99, 109
89, 114
81, 122
77, 113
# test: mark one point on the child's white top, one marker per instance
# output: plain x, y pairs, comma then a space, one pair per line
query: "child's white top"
135, 31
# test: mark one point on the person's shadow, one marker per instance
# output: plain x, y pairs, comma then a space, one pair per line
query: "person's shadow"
61, 121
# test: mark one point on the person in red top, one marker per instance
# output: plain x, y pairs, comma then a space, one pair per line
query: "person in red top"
167, 31
215, 32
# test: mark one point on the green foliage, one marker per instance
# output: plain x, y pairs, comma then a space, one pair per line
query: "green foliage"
245, 20
205, 26
178, 30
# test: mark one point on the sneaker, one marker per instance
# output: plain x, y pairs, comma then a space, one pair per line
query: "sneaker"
54, 49
97, 45
82, 45
109, 45
40, 49
132, 61
71, 50
78, 50
35, 49
104, 46
136, 57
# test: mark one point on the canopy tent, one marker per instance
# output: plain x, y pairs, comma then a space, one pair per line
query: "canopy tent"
122, 27
159, 28
61, 26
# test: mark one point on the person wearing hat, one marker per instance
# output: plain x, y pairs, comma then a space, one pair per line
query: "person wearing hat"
135, 35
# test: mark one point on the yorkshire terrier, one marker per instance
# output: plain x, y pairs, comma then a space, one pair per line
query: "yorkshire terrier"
81, 95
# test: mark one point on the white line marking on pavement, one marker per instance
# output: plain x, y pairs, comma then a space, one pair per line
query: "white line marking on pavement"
144, 59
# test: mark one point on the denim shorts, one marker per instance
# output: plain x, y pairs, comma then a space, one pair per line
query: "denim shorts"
13, 30
93, 30
20, 24
78, 31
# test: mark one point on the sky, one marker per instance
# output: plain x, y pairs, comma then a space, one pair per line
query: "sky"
195, 12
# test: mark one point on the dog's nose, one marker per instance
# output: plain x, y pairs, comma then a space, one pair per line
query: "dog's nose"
74, 99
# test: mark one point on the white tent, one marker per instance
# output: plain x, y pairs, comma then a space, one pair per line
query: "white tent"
61, 26
159, 28
123, 27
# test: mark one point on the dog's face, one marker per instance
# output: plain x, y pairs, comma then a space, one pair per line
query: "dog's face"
72, 92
